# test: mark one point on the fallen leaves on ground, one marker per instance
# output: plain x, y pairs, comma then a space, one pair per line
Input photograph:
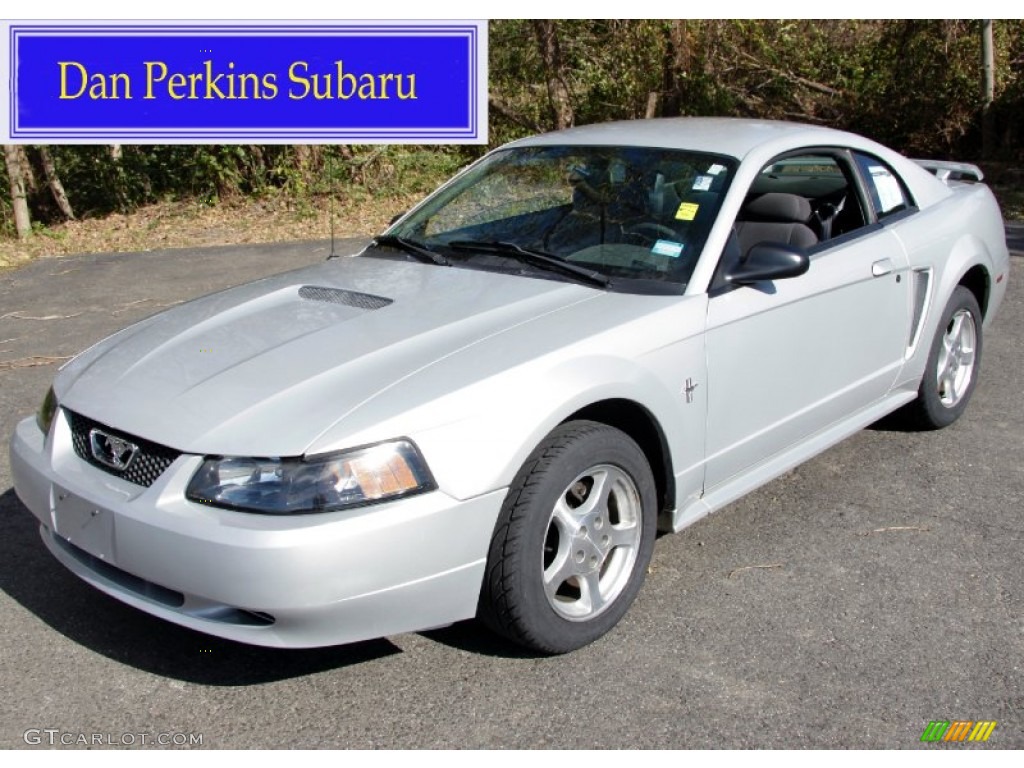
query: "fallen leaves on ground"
734, 571
268, 219
891, 528
20, 316
32, 362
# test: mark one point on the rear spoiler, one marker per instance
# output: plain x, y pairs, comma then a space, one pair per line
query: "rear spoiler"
949, 171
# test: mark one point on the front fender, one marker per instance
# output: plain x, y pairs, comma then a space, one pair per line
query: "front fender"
476, 455
477, 414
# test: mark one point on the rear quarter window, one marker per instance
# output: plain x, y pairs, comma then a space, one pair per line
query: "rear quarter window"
887, 191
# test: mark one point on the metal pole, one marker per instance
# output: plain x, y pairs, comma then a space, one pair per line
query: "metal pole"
988, 68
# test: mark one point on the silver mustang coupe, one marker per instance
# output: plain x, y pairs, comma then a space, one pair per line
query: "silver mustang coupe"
491, 410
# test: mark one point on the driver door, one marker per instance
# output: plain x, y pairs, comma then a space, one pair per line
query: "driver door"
789, 358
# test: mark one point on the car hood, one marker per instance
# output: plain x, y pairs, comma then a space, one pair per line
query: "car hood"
265, 368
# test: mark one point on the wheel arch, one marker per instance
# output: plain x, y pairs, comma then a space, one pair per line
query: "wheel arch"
644, 429
978, 281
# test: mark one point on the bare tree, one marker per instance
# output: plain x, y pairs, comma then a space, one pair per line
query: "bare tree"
54, 183
677, 63
19, 197
555, 72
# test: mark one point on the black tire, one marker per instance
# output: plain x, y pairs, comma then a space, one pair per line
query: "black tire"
565, 563
954, 362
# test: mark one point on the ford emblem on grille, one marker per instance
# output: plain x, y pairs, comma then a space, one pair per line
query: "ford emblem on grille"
115, 452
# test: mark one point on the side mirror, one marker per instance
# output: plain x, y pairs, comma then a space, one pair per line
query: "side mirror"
769, 261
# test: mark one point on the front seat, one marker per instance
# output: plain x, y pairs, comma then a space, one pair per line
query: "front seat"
776, 217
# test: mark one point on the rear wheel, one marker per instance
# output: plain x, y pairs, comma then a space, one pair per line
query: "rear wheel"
953, 364
573, 540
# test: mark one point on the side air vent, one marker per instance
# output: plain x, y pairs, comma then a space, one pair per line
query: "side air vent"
921, 283
339, 296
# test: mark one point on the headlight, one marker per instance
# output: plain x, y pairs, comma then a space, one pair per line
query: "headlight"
295, 485
46, 412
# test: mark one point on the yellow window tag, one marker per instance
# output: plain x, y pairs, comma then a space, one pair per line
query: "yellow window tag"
687, 211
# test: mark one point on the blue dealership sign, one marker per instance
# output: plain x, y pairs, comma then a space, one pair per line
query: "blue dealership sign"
329, 82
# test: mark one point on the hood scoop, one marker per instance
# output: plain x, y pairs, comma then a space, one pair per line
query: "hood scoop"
340, 296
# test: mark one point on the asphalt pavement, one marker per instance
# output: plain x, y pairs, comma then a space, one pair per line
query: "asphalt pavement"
849, 603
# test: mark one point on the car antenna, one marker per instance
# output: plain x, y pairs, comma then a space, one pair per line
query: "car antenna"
333, 191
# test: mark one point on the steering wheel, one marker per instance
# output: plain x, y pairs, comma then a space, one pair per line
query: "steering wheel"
648, 228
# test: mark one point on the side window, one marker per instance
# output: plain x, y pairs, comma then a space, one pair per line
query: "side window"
802, 199
888, 194
806, 199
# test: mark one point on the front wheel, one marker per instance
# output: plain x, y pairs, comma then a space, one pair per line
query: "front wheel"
573, 540
953, 364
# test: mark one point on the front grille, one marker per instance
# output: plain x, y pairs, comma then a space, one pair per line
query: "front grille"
146, 466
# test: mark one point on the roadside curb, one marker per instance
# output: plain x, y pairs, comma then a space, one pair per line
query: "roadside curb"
1015, 236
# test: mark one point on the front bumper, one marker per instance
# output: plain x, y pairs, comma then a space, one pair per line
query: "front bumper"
288, 581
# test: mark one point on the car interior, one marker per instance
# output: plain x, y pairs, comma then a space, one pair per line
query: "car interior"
815, 191
804, 201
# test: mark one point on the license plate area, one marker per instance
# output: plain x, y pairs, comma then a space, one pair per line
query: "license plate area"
86, 525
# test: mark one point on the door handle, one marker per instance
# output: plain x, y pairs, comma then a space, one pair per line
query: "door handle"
881, 267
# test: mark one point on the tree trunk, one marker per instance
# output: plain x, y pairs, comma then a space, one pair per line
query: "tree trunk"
676, 66
498, 106
16, 175
652, 105
309, 163
557, 82
53, 182
27, 174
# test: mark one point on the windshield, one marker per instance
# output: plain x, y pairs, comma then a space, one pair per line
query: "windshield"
632, 214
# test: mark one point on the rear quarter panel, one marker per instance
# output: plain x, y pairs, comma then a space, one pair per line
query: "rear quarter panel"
949, 237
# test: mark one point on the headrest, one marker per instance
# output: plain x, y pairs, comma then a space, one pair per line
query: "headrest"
663, 201
779, 207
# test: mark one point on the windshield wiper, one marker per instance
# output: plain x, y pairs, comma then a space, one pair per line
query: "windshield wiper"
532, 257
411, 247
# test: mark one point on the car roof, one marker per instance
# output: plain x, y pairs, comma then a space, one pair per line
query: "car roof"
736, 137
